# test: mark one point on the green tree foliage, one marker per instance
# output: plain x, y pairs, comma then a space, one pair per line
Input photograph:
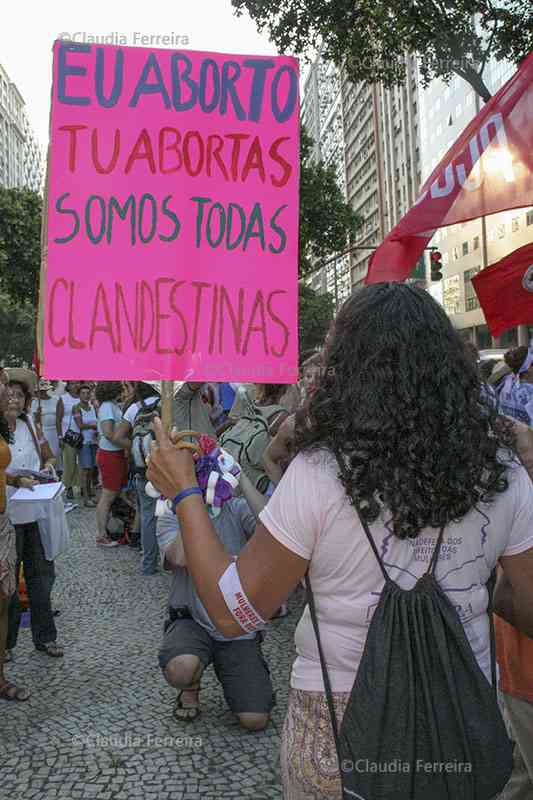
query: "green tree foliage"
315, 315
370, 37
327, 222
17, 332
20, 245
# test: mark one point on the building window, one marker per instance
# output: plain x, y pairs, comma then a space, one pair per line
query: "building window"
515, 224
500, 231
465, 248
451, 295
509, 338
483, 336
529, 218
475, 243
471, 301
455, 253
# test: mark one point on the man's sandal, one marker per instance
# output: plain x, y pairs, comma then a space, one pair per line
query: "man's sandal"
187, 713
52, 649
8, 691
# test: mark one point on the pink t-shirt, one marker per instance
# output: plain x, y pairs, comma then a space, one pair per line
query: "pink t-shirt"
310, 514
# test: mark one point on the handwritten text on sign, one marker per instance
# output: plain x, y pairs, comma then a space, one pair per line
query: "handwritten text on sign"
172, 216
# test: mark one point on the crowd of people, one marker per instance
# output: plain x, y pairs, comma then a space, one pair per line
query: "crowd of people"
91, 436
400, 467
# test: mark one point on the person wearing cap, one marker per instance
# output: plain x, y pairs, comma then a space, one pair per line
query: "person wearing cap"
39, 573
85, 421
147, 395
44, 410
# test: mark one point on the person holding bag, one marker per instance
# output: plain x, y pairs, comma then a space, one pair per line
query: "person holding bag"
404, 494
39, 572
70, 441
85, 422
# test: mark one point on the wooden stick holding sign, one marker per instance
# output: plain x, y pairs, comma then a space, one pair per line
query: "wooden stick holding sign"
167, 398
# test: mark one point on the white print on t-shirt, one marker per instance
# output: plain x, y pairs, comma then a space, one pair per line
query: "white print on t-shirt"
457, 581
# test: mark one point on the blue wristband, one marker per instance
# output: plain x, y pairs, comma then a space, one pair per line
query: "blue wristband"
182, 495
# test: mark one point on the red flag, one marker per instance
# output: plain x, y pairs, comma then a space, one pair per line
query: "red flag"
505, 291
488, 169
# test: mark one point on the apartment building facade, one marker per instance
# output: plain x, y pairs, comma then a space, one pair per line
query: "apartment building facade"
322, 117
20, 155
371, 135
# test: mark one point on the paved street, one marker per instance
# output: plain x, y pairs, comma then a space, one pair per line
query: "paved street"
99, 722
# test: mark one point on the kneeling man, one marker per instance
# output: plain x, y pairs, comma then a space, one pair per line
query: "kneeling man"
192, 642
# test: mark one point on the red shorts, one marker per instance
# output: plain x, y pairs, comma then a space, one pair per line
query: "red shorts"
113, 468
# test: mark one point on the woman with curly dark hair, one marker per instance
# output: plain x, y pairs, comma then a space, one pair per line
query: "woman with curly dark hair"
111, 458
397, 428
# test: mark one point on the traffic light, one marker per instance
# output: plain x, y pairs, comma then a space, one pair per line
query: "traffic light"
435, 258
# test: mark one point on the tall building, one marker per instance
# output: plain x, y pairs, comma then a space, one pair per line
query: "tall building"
323, 121
371, 136
468, 247
383, 160
20, 156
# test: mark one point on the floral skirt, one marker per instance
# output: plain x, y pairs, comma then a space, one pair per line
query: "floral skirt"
8, 557
309, 764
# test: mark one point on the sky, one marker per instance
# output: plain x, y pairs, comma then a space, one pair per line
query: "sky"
26, 40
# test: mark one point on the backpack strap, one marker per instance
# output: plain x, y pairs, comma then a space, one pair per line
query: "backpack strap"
436, 553
370, 538
491, 585
325, 674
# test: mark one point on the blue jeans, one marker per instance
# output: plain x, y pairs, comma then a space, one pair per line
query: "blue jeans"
147, 507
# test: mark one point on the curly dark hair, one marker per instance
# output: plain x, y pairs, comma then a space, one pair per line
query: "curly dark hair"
400, 407
108, 390
515, 358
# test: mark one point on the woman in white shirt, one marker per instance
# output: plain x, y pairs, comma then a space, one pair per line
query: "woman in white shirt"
67, 401
39, 573
44, 411
84, 421
398, 415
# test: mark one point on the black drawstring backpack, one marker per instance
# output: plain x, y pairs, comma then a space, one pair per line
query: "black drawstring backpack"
422, 721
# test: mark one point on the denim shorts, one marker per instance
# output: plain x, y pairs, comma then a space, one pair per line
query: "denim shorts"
87, 456
239, 664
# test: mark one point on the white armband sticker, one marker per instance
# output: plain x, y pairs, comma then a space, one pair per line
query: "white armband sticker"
240, 607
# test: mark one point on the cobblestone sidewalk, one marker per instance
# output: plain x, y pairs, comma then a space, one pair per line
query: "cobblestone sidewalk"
99, 722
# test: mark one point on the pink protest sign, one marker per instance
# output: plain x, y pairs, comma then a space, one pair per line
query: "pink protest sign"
172, 216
